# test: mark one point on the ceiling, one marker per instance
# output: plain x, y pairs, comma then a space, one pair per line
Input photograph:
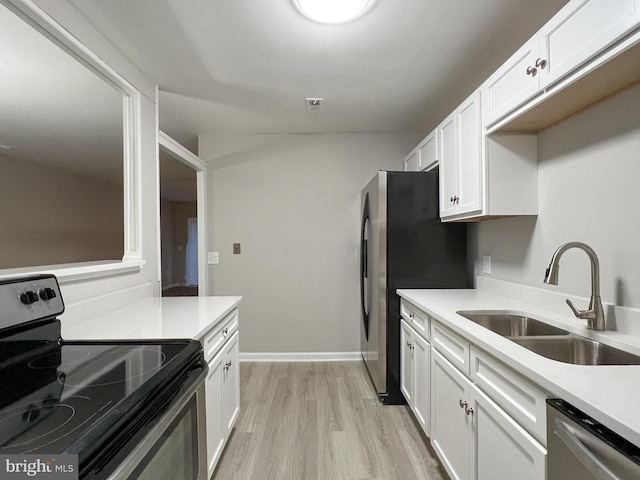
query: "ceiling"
230, 66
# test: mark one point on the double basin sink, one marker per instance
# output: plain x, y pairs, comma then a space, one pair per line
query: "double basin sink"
549, 341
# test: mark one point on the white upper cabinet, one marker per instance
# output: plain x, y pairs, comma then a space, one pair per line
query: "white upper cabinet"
411, 161
448, 166
461, 160
582, 29
428, 152
484, 176
424, 156
511, 85
562, 57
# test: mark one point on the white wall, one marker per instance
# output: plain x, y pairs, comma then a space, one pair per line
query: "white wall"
293, 202
589, 191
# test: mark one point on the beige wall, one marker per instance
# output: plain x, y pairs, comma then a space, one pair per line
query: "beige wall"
589, 191
293, 202
50, 216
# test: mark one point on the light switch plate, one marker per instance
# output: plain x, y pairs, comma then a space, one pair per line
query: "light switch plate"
213, 258
486, 264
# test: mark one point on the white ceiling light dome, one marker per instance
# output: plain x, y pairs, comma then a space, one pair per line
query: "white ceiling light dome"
332, 11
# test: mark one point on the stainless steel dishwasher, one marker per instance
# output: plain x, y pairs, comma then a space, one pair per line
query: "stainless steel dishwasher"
580, 448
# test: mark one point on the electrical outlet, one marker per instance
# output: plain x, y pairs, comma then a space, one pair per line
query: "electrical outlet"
236, 249
213, 258
486, 264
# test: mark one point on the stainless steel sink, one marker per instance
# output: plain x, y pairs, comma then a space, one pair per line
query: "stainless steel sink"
578, 351
511, 325
549, 341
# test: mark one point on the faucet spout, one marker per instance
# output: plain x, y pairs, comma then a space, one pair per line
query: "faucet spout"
595, 313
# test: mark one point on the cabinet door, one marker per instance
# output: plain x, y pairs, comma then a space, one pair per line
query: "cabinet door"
411, 161
469, 152
582, 29
498, 436
422, 383
510, 86
230, 384
450, 426
213, 400
428, 152
448, 166
406, 362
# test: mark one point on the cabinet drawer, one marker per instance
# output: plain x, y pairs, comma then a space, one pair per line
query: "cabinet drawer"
214, 339
415, 317
520, 399
451, 345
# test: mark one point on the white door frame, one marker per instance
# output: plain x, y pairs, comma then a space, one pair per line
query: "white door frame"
180, 153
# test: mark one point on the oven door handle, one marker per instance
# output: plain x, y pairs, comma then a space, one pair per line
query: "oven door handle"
128, 466
571, 438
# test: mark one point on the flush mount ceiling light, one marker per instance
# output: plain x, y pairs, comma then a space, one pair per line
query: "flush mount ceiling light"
332, 11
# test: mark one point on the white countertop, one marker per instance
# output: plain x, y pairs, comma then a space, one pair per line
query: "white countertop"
153, 318
610, 394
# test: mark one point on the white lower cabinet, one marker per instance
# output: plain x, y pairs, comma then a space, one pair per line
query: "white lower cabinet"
451, 426
414, 374
474, 438
502, 449
231, 383
222, 390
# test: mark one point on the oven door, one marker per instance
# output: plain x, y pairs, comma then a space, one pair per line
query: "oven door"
174, 448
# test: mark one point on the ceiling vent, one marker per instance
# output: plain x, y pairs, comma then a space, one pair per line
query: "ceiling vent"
314, 104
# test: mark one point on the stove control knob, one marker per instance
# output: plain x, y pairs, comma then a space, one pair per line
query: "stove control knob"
47, 293
29, 297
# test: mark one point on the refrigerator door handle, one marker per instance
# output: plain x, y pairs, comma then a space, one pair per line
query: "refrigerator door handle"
364, 267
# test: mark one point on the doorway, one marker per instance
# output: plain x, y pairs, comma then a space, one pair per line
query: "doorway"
182, 180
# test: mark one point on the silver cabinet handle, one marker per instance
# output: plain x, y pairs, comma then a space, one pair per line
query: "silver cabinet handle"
411, 316
541, 63
227, 365
225, 331
451, 199
532, 71
463, 404
571, 438
468, 411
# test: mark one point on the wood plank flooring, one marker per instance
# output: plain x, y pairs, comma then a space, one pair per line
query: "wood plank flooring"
321, 421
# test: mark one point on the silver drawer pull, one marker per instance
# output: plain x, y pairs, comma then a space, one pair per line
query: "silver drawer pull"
463, 404
411, 315
468, 411
225, 331
227, 365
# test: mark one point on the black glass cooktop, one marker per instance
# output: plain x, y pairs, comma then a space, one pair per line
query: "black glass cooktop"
69, 397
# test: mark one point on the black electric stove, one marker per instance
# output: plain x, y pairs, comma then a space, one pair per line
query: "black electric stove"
85, 398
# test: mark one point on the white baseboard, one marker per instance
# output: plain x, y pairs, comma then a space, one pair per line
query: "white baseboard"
300, 357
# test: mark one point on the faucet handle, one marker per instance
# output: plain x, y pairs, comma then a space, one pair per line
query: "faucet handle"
583, 314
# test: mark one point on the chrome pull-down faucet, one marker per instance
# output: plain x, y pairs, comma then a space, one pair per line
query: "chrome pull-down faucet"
594, 315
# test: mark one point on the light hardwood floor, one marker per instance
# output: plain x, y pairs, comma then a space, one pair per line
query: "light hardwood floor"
321, 421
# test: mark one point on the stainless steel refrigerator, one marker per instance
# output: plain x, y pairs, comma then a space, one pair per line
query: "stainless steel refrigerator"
403, 244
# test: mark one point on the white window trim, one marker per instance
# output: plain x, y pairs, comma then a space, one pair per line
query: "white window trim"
132, 259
